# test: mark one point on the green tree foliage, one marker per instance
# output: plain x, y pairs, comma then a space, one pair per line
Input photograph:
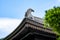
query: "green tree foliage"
58, 38
52, 19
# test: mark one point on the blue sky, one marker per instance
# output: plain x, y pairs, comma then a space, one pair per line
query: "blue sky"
13, 11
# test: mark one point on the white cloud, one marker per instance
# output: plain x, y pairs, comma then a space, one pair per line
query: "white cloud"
7, 25
58, 0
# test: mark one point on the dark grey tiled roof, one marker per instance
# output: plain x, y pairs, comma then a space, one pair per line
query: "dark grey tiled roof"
36, 19
39, 20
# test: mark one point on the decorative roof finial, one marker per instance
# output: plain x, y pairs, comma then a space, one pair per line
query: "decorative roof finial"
28, 13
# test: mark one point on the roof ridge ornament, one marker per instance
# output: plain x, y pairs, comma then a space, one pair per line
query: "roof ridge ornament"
28, 13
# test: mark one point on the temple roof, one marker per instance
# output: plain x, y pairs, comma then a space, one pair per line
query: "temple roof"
33, 23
